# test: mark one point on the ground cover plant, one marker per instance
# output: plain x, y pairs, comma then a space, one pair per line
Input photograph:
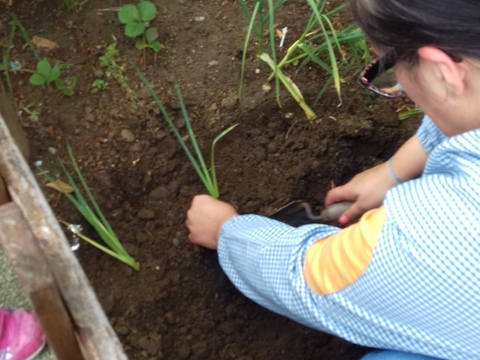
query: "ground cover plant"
137, 20
179, 305
337, 50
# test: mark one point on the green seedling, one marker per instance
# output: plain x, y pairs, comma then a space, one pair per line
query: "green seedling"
67, 86
137, 23
257, 19
408, 114
290, 86
100, 84
115, 68
45, 74
70, 4
92, 213
5, 65
34, 115
207, 175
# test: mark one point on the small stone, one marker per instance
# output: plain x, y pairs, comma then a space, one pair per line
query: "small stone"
266, 88
199, 18
52, 150
99, 73
213, 107
257, 71
229, 101
146, 214
213, 63
127, 135
89, 117
94, 91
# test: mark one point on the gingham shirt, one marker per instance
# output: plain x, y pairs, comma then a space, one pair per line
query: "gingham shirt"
420, 292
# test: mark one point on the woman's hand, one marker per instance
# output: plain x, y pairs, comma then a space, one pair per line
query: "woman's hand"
205, 219
366, 189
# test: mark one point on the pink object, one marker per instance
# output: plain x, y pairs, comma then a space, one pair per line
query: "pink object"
21, 336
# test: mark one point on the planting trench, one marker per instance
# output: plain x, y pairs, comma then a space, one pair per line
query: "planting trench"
180, 305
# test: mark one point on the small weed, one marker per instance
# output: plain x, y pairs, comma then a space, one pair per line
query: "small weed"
136, 19
114, 68
100, 84
34, 115
71, 4
67, 86
45, 74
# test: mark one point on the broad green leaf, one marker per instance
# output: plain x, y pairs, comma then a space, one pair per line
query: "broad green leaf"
37, 79
134, 29
43, 67
140, 44
60, 84
147, 10
68, 92
156, 46
151, 35
72, 81
54, 75
128, 13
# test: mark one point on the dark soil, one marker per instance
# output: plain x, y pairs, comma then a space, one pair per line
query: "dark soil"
180, 305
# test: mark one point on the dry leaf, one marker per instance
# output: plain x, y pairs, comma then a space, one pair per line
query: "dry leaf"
61, 186
279, 33
40, 42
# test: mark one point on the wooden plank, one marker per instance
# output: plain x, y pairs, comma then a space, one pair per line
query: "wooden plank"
97, 337
13, 122
34, 274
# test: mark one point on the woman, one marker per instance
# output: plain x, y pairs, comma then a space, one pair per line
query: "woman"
406, 276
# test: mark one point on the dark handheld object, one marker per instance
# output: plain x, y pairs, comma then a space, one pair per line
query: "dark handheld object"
298, 213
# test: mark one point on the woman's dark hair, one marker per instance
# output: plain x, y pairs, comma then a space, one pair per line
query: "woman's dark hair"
406, 25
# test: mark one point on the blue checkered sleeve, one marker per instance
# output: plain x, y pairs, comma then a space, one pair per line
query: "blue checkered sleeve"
264, 259
420, 292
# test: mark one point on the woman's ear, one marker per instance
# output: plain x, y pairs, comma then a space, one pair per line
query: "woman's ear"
447, 70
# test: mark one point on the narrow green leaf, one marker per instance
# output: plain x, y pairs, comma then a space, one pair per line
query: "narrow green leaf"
245, 47
213, 171
128, 13
290, 86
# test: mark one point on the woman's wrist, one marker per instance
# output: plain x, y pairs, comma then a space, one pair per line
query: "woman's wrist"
392, 172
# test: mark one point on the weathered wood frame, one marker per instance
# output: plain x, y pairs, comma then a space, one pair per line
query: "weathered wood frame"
49, 272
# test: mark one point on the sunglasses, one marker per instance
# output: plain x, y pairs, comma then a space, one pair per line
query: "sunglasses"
376, 68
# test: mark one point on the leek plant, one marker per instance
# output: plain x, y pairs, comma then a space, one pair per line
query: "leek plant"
207, 175
257, 18
337, 52
92, 213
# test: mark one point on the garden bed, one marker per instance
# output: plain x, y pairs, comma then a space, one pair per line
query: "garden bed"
180, 305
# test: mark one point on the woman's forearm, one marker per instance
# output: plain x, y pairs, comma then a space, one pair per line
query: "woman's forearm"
409, 161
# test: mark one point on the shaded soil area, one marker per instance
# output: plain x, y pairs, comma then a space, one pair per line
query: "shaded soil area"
180, 305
